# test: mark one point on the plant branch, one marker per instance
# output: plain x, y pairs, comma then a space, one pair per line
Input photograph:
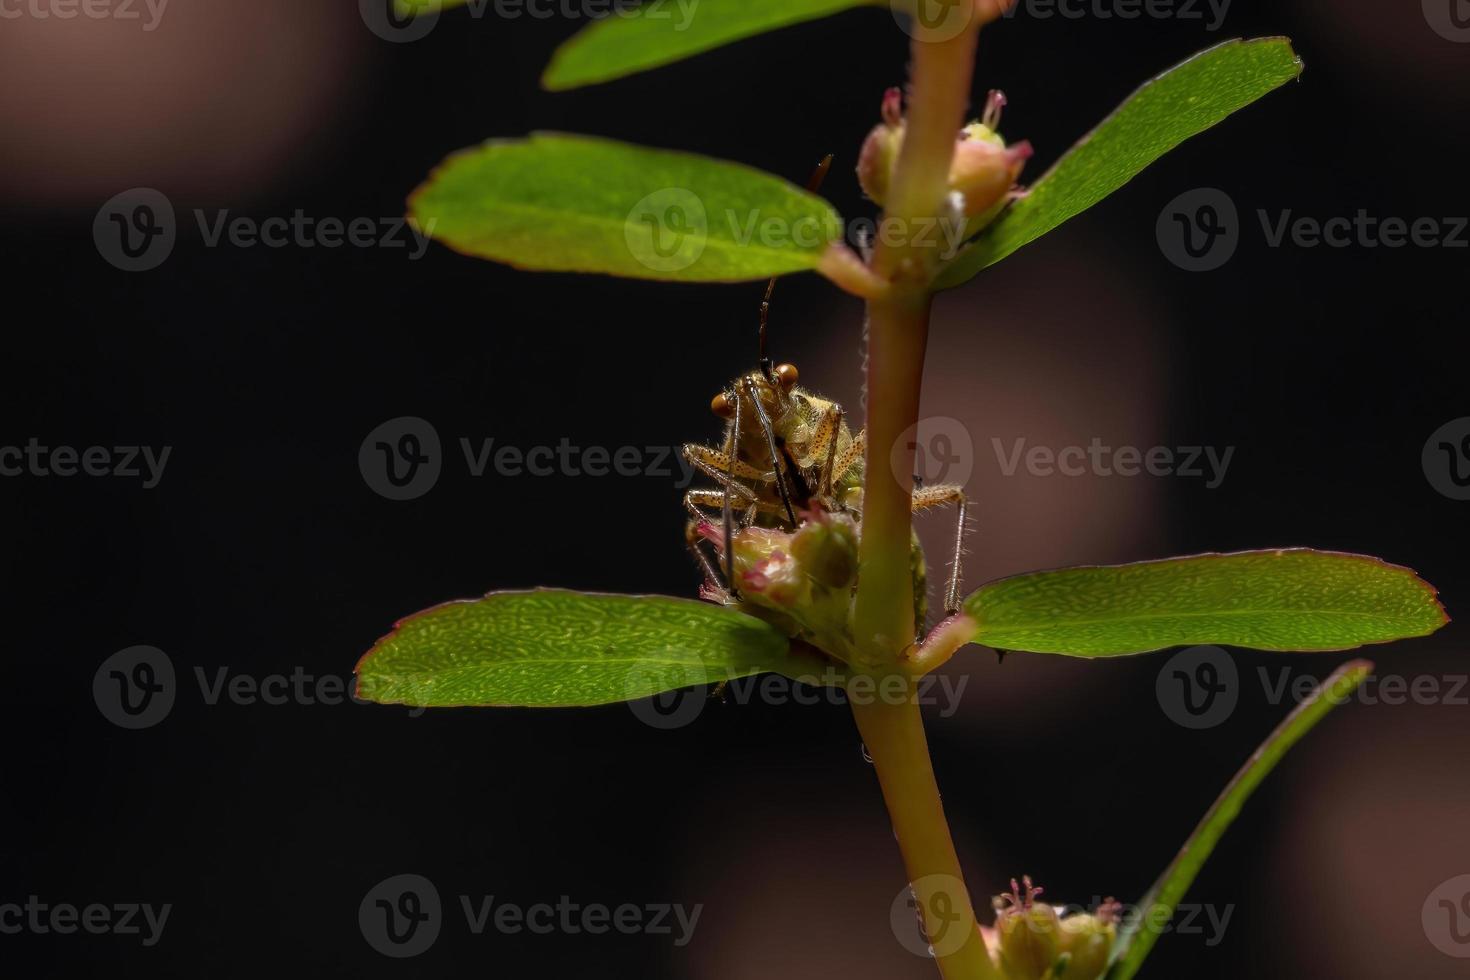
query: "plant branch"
883, 618
894, 735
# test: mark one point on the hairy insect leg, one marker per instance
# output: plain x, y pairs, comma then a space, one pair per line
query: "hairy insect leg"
938, 496
715, 464
776, 454
693, 501
850, 457
824, 443
732, 450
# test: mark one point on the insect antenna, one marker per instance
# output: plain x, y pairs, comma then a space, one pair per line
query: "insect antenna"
764, 359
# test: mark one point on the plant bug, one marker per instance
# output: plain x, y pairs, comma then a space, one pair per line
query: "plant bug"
786, 454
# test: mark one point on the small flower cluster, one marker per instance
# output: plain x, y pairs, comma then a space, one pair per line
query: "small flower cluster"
982, 175
1033, 941
802, 581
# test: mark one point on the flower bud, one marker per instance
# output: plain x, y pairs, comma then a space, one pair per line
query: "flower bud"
1031, 941
880, 153
826, 549
1029, 932
1088, 940
985, 170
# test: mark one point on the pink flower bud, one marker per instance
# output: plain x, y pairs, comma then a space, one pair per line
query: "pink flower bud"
880, 152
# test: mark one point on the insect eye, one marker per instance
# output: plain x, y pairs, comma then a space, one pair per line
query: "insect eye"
786, 376
722, 406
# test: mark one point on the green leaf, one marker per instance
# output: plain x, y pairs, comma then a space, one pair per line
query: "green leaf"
421, 8
665, 31
1166, 111
551, 648
1267, 600
578, 204
1135, 942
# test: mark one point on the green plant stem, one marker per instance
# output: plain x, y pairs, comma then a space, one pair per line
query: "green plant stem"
894, 735
898, 330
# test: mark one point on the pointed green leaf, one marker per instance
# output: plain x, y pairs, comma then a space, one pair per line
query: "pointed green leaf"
550, 648
663, 31
1294, 599
1166, 111
578, 204
1136, 941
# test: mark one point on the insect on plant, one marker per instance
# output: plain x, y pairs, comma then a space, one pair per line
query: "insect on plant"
788, 455
805, 538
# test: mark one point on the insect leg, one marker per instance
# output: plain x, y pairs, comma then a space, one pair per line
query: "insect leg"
727, 518
938, 496
776, 454
696, 456
693, 500
830, 428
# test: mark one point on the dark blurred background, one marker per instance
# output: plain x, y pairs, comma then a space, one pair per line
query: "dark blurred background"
264, 550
